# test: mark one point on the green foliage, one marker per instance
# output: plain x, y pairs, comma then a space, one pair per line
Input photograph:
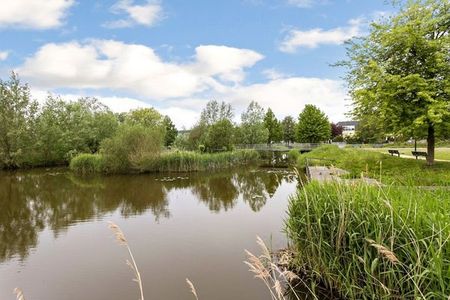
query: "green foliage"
368, 242
252, 130
293, 156
131, 144
17, 118
87, 163
383, 167
215, 112
220, 136
67, 128
399, 73
147, 117
273, 126
313, 125
171, 132
189, 161
288, 126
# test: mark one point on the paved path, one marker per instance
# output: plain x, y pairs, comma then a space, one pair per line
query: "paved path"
327, 174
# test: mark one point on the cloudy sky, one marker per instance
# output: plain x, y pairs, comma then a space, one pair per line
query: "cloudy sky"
175, 55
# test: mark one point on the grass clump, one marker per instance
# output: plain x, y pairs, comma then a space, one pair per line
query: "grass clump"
388, 169
87, 163
367, 242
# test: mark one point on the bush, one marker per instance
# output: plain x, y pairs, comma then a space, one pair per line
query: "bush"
131, 145
87, 163
368, 242
293, 156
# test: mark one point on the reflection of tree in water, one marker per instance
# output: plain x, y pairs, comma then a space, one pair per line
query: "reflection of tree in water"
218, 193
33, 200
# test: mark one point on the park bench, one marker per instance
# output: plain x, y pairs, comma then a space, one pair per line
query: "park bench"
419, 153
392, 152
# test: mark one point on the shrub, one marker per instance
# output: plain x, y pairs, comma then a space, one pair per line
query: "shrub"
130, 146
293, 156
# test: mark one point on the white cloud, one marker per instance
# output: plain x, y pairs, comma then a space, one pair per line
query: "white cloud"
314, 37
134, 68
36, 14
178, 89
147, 14
4, 55
288, 96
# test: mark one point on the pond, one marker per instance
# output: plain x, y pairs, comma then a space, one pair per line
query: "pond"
55, 243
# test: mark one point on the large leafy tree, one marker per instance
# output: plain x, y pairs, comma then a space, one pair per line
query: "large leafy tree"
288, 125
17, 117
252, 129
273, 126
220, 136
399, 73
313, 125
171, 131
147, 117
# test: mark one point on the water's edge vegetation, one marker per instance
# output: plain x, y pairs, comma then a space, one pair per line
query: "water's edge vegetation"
173, 161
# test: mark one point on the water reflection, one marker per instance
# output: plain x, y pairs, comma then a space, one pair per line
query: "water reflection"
31, 201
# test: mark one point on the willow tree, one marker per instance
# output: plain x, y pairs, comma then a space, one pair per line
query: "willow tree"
399, 73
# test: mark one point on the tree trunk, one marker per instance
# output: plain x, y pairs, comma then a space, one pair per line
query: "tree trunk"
430, 144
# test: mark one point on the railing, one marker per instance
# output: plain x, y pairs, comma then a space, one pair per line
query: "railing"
278, 146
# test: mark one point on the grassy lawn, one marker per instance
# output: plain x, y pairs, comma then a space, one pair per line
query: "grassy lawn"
441, 153
383, 167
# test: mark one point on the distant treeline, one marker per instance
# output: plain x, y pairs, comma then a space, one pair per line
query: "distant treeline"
50, 134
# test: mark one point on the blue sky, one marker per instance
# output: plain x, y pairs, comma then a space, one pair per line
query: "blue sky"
176, 55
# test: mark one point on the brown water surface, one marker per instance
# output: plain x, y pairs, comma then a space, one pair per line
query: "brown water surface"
55, 244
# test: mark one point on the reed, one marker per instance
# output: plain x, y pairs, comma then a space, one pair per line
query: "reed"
368, 242
120, 238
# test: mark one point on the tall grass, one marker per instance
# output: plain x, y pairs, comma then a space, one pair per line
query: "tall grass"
87, 163
367, 242
189, 161
176, 161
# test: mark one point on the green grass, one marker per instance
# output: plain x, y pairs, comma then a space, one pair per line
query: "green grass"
388, 169
440, 153
87, 163
348, 239
173, 161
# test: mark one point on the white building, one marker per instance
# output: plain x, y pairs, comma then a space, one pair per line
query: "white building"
349, 127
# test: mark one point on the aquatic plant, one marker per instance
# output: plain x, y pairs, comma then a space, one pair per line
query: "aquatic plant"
368, 242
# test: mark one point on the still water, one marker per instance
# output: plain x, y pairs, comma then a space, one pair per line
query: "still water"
55, 243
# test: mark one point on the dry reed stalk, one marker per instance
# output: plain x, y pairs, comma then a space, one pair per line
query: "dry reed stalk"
120, 238
19, 294
383, 251
192, 287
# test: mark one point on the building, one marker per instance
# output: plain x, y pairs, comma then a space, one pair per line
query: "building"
349, 128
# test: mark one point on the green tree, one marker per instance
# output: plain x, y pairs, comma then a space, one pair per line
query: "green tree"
252, 129
273, 126
399, 72
215, 111
288, 126
17, 117
220, 136
171, 132
313, 125
147, 117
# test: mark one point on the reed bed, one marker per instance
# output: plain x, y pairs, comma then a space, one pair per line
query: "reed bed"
173, 161
368, 242
188, 161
